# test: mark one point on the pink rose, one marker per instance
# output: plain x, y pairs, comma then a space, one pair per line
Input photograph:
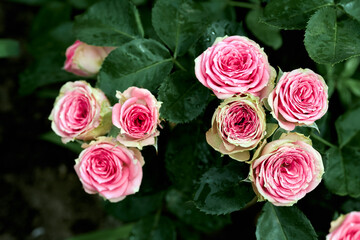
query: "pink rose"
238, 125
110, 169
137, 116
80, 112
284, 170
234, 65
345, 227
299, 98
85, 60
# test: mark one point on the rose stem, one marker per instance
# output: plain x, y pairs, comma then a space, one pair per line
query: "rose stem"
320, 139
242, 4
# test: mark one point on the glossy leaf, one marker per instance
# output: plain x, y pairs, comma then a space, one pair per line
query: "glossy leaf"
292, 14
342, 171
142, 63
332, 39
283, 223
109, 23
183, 97
351, 7
267, 34
153, 228
216, 29
186, 211
348, 126
222, 190
179, 23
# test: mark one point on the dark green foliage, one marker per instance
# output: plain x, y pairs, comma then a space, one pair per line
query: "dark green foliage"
222, 190
109, 23
183, 97
283, 223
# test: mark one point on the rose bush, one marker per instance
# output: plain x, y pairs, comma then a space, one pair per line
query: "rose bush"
345, 227
110, 169
80, 112
137, 116
299, 98
234, 65
238, 125
85, 60
285, 170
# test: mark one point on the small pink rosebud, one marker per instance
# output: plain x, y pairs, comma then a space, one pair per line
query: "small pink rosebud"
85, 60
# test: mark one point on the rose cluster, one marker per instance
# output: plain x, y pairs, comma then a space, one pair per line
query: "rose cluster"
109, 166
237, 70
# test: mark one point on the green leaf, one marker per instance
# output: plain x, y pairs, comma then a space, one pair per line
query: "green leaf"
179, 23
330, 38
283, 223
348, 126
32, 2
142, 63
350, 67
109, 23
353, 85
133, 207
50, 16
292, 14
183, 97
216, 29
351, 7
153, 228
47, 70
120, 233
53, 138
186, 158
267, 34
9, 48
182, 206
342, 171
222, 190
82, 4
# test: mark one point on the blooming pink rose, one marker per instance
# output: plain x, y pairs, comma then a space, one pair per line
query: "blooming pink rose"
299, 98
238, 125
80, 112
234, 65
85, 60
110, 169
137, 116
345, 227
286, 169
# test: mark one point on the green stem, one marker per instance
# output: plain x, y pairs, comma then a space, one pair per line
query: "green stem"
179, 65
242, 4
320, 139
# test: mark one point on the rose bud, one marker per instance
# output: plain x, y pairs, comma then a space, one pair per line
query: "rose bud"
238, 125
299, 98
234, 65
286, 169
110, 169
80, 112
137, 116
345, 227
85, 60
